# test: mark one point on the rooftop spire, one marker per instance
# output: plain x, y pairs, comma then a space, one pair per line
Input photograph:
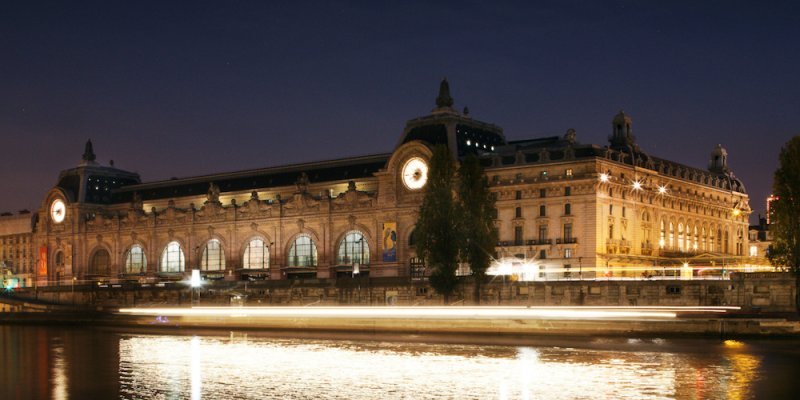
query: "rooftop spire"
444, 100
88, 152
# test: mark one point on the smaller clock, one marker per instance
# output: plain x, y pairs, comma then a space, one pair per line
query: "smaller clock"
415, 173
58, 210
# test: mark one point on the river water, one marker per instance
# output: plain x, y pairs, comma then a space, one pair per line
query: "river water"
38, 362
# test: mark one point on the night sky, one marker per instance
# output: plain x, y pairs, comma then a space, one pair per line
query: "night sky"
181, 89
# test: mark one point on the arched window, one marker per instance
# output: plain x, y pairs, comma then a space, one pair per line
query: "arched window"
696, 239
172, 259
704, 246
213, 256
256, 255
353, 249
100, 263
671, 235
661, 239
412, 240
680, 237
135, 260
303, 252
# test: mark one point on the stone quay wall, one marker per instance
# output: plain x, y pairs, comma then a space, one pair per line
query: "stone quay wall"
754, 292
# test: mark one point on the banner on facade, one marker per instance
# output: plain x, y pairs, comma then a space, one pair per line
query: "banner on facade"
42, 268
389, 241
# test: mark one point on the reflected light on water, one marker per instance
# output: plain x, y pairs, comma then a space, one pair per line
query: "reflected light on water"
60, 382
242, 367
196, 377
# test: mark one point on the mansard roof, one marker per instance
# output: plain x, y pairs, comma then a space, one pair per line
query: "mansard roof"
253, 179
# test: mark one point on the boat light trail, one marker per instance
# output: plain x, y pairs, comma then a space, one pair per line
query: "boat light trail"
416, 312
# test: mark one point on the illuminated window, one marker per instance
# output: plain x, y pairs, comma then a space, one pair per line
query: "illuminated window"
568, 172
753, 251
213, 256
256, 255
567, 253
303, 252
671, 235
680, 237
172, 259
101, 260
353, 249
135, 260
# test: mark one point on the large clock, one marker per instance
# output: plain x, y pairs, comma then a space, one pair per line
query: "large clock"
415, 173
58, 210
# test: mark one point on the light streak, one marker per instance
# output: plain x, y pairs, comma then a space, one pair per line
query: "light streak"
588, 312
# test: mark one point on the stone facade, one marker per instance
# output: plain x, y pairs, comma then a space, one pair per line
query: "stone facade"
570, 209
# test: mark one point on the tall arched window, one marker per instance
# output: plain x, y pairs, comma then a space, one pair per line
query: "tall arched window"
696, 239
213, 256
711, 239
303, 252
172, 259
662, 238
256, 255
703, 238
353, 249
412, 240
680, 237
100, 263
135, 260
59, 259
671, 235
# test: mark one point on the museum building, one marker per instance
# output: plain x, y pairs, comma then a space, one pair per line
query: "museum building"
565, 210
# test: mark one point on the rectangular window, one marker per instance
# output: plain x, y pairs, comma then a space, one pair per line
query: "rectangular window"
542, 254
517, 236
567, 209
567, 253
542, 211
542, 193
542, 233
519, 195
567, 232
568, 172
567, 191
518, 212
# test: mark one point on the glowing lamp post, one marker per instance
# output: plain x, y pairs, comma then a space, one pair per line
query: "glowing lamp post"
195, 282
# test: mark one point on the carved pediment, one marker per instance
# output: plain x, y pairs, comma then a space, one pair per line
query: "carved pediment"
172, 214
99, 221
255, 207
211, 211
301, 203
352, 198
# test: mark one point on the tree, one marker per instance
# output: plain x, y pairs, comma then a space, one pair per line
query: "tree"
437, 227
476, 210
785, 224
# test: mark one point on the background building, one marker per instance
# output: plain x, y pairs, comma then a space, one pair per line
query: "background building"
565, 210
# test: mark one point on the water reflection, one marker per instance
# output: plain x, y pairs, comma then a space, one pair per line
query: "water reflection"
62, 363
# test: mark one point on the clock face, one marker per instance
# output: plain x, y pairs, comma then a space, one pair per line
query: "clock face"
58, 210
415, 173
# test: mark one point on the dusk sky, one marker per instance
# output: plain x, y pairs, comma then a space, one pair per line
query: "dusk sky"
190, 88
